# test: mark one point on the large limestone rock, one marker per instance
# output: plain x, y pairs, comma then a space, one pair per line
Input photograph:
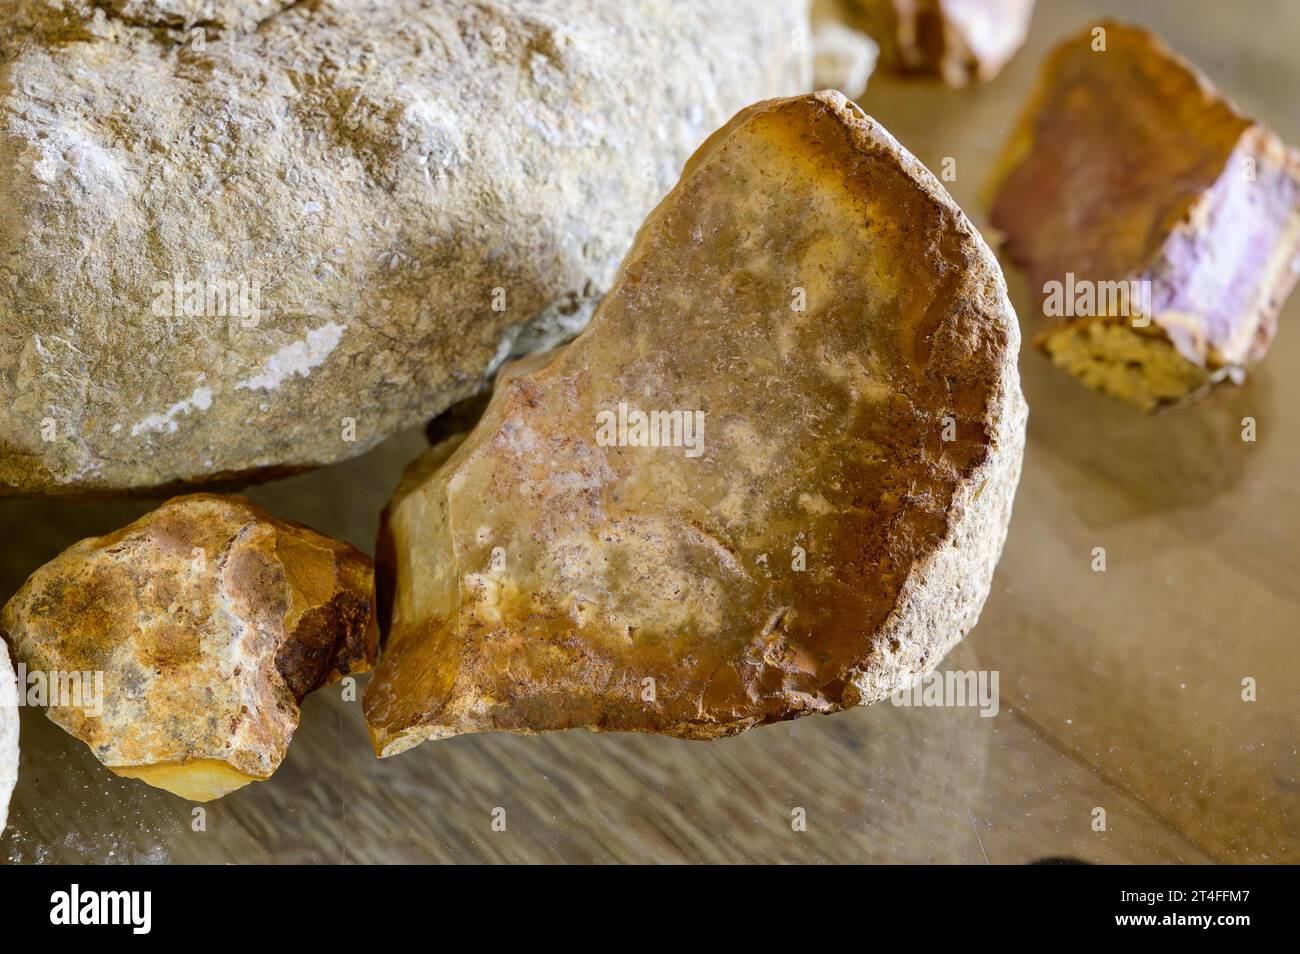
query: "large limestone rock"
207, 622
809, 519
8, 734
266, 242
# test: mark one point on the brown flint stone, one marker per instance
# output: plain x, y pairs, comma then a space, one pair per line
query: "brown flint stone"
203, 625
772, 477
1161, 225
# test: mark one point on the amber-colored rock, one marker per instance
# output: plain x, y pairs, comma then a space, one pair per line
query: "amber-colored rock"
812, 294
1129, 167
8, 734
210, 620
959, 41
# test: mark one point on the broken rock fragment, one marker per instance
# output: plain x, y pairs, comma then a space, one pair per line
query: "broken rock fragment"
193, 634
248, 237
771, 478
8, 733
959, 41
1161, 226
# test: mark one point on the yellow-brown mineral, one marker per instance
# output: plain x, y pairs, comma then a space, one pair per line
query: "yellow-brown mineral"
201, 627
1161, 226
772, 477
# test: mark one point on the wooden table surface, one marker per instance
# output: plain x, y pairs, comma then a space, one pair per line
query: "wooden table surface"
1119, 690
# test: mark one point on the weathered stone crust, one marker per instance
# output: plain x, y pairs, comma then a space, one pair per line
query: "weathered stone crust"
210, 621
243, 15
959, 41
1129, 166
533, 578
411, 189
8, 734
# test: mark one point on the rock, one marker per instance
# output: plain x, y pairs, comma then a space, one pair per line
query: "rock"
811, 517
207, 622
843, 58
1161, 224
235, 252
244, 15
8, 734
960, 41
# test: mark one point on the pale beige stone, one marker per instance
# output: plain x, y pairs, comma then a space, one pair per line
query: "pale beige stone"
404, 191
843, 58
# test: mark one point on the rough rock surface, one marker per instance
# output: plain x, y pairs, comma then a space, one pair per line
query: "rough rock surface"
8, 734
825, 534
368, 203
1129, 167
960, 41
210, 621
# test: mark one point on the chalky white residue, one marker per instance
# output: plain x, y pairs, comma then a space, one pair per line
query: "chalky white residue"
166, 421
297, 358
86, 162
